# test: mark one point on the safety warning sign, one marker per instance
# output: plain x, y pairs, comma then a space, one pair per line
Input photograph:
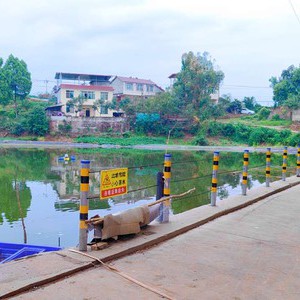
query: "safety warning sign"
113, 183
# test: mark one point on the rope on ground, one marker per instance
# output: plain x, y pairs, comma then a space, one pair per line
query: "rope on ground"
122, 274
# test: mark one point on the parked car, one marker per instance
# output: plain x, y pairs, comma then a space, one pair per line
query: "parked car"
247, 111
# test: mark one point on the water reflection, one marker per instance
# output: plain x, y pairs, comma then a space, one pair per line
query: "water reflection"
39, 200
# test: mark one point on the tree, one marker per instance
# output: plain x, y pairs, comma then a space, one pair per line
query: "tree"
195, 82
15, 81
235, 107
249, 102
287, 86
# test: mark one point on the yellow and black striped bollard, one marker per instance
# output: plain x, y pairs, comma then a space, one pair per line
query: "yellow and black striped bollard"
245, 172
298, 162
268, 167
167, 188
214, 179
84, 204
284, 163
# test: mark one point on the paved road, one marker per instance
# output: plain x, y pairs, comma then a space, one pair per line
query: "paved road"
253, 253
67, 145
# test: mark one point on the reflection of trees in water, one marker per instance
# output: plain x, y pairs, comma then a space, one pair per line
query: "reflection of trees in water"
9, 206
16, 167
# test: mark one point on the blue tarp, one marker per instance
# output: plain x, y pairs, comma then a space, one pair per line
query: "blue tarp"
10, 251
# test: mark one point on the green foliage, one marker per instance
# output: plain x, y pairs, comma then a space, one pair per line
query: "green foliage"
263, 113
244, 134
36, 122
200, 140
276, 117
235, 107
134, 140
195, 82
249, 102
286, 88
31, 120
15, 81
294, 140
65, 128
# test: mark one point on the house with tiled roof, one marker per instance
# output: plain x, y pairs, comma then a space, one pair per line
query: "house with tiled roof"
132, 87
84, 95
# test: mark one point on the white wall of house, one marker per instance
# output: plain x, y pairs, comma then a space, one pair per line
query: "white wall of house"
134, 89
90, 95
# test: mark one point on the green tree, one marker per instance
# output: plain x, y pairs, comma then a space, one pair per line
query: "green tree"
249, 102
287, 86
15, 81
195, 82
235, 107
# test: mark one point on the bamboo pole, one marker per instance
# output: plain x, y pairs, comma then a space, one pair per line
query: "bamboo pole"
99, 220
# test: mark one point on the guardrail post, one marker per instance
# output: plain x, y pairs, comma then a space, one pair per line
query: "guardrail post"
167, 188
214, 179
268, 167
84, 204
284, 163
298, 162
245, 172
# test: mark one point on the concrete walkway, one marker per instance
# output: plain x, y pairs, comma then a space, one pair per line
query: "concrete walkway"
253, 253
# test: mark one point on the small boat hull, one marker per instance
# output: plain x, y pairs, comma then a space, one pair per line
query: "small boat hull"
9, 251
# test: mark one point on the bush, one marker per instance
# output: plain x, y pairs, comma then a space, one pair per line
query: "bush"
200, 140
65, 128
263, 113
294, 140
276, 117
228, 130
126, 134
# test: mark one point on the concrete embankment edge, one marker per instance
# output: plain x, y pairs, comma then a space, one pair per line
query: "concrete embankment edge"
50, 267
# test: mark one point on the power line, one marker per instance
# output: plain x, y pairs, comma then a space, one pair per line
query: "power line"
294, 10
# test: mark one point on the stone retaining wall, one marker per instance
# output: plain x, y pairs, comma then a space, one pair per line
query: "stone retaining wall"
87, 126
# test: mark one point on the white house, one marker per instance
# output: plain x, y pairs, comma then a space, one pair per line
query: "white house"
91, 93
130, 87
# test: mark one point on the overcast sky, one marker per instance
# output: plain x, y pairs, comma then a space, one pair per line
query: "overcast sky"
249, 40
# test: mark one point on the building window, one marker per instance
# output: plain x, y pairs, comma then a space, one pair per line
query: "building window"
69, 94
139, 87
129, 86
87, 95
103, 110
149, 88
104, 96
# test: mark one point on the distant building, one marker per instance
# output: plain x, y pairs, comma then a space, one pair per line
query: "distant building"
89, 88
130, 87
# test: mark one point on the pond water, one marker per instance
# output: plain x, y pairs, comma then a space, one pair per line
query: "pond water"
39, 202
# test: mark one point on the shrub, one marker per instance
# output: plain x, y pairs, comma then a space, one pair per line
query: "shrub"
294, 140
65, 128
200, 140
228, 130
263, 113
276, 117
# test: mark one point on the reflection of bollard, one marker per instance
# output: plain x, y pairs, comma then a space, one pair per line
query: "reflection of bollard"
159, 194
166, 191
284, 163
298, 162
268, 166
84, 204
245, 172
214, 179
